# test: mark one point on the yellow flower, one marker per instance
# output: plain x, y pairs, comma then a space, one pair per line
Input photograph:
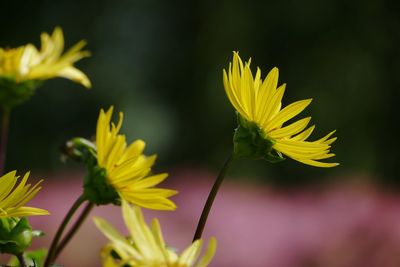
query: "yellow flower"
128, 171
12, 201
28, 63
145, 246
259, 102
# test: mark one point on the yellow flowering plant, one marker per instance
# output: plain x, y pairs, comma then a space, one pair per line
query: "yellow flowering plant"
22, 70
120, 173
116, 171
263, 131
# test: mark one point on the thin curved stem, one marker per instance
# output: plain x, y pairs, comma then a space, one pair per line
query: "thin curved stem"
52, 251
22, 261
5, 122
74, 229
211, 197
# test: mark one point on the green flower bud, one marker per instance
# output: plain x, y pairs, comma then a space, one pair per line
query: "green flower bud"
79, 149
13, 93
15, 235
250, 142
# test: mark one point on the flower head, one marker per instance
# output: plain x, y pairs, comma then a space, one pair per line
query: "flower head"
24, 68
12, 200
145, 246
126, 169
263, 128
28, 63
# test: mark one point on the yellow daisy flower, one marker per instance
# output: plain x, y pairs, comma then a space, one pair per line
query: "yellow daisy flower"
258, 103
128, 171
145, 246
28, 63
12, 201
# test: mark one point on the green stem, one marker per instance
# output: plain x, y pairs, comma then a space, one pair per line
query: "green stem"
5, 121
211, 197
52, 251
74, 228
21, 259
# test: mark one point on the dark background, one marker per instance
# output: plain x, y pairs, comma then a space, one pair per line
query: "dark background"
160, 62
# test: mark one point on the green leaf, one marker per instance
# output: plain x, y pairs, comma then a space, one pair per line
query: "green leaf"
33, 258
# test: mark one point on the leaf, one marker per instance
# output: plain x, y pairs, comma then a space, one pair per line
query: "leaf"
33, 258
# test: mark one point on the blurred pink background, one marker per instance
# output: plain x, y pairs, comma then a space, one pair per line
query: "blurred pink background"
343, 225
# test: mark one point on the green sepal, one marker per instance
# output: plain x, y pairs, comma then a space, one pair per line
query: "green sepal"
250, 142
13, 93
15, 235
33, 258
96, 187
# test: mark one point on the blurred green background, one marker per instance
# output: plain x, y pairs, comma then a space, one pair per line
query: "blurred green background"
160, 62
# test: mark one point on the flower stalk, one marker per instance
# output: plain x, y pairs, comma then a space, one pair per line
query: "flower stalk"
5, 122
21, 259
74, 228
210, 200
51, 256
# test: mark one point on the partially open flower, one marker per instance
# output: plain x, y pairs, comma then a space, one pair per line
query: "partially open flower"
263, 131
23, 68
145, 246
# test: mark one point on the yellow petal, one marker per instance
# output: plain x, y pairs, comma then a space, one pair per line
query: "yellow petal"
190, 254
233, 98
265, 93
151, 181
304, 135
25, 211
323, 139
272, 106
75, 75
74, 54
135, 149
319, 164
286, 114
209, 254
153, 202
7, 182
156, 230
111, 233
291, 129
